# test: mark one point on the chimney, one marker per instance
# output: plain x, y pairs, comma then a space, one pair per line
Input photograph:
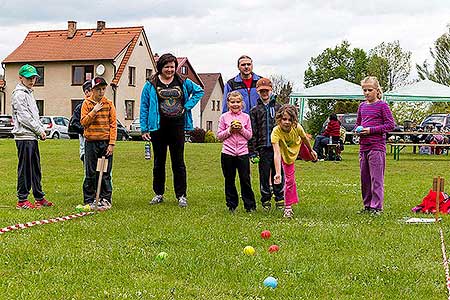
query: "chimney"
71, 29
100, 25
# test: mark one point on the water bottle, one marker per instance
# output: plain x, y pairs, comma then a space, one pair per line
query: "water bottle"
330, 141
148, 152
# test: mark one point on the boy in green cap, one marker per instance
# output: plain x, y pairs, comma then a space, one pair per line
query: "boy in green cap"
27, 129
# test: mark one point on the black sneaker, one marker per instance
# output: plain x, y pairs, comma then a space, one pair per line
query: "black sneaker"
376, 212
279, 204
266, 205
365, 210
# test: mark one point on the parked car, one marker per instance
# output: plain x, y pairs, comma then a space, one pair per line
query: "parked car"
348, 121
122, 132
435, 121
56, 127
6, 125
135, 129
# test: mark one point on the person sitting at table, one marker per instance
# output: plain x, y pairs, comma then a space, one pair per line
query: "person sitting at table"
332, 131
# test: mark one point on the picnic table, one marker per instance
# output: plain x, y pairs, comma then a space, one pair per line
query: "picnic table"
397, 147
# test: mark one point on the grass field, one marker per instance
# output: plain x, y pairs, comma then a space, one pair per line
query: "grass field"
326, 252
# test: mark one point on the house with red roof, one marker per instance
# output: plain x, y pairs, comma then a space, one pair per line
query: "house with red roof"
211, 103
65, 59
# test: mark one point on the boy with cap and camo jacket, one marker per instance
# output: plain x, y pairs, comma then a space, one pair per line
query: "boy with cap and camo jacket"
98, 117
27, 129
260, 147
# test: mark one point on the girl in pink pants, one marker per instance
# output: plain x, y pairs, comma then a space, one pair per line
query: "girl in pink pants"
286, 139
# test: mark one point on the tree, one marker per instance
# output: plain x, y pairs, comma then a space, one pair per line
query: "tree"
441, 67
338, 62
395, 59
281, 87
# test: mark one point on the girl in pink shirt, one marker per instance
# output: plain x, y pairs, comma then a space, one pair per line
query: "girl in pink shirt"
234, 131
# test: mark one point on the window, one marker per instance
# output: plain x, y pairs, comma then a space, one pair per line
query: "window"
40, 105
129, 109
40, 79
184, 70
213, 104
218, 105
59, 121
82, 73
148, 74
131, 76
75, 103
208, 125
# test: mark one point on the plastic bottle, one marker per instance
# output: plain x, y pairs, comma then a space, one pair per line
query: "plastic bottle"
148, 152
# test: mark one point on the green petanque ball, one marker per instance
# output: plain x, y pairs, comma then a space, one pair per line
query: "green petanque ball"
79, 208
161, 256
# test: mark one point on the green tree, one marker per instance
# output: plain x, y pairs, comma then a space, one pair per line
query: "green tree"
282, 87
338, 62
391, 64
440, 71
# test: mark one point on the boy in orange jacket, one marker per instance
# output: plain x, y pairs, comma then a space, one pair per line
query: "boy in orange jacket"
98, 117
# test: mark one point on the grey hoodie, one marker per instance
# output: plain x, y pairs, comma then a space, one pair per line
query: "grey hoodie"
25, 113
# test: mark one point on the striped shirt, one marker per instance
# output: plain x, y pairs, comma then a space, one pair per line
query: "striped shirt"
378, 117
100, 126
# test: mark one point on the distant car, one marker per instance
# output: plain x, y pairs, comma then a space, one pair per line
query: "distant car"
56, 127
6, 125
348, 121
122, 132
435, 121
135, 129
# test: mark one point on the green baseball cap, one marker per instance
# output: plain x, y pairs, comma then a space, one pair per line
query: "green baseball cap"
28, 71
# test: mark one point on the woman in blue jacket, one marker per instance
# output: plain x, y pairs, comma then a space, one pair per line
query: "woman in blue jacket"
165, 113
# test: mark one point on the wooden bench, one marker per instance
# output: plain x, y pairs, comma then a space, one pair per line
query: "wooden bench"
333, 148
396, 148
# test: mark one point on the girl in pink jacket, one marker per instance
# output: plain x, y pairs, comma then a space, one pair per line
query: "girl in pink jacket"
234, 131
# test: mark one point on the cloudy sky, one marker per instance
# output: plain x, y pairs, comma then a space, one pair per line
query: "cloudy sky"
281, 36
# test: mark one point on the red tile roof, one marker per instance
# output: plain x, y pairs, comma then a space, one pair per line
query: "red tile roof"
53, 45
209, 80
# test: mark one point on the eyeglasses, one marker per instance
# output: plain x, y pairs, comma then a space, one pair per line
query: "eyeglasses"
367, 90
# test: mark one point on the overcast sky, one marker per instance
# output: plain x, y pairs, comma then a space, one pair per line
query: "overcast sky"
281, 36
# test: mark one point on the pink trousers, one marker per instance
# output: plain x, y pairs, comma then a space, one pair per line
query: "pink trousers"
290, 186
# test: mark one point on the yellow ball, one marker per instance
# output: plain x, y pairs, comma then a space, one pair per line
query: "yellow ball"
249, 250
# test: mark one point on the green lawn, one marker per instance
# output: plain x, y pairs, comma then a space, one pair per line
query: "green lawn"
326, 252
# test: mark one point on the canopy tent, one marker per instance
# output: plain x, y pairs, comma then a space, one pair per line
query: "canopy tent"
425, 90
334, 89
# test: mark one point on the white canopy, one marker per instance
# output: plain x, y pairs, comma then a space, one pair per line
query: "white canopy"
425, 90
333, 89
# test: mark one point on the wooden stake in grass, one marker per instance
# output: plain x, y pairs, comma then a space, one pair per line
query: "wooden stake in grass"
102, 167
438, 187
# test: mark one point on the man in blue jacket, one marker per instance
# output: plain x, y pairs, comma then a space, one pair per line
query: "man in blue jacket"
245, 83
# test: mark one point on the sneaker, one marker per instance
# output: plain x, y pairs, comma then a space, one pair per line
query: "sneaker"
42, 202
100, 205
25, 205
365, 210
251, 210
105, 203
288, 213
182, 201
376, 212
266, 205
279, 204
157, 199
232, 210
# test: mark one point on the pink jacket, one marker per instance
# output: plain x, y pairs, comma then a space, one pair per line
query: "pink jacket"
235, 143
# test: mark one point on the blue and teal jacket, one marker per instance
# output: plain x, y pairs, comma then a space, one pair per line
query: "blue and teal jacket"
149, 110
236, 84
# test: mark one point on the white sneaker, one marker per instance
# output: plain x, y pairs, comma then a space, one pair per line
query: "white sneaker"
182, 201
157, 199
288, 213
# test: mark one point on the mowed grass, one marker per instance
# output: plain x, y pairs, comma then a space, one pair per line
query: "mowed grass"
326, 252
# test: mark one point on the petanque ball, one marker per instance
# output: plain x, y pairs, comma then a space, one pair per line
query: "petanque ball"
161, 256
270, 282
265, 234
249, 250
274, 248
359, 128
86, 208
79, 208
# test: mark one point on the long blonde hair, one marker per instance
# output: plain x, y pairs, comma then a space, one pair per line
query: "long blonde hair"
373, 81
291, 110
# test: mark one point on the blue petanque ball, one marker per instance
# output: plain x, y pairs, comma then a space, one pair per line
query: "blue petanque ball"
270, 282
359, 128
